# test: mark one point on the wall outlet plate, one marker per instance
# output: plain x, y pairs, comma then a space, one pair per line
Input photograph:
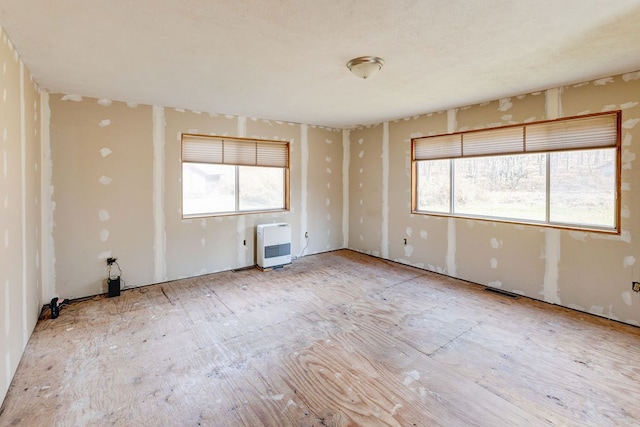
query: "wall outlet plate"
635, 286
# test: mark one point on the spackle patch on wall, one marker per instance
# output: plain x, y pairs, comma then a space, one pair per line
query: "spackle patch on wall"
104, 123
627, 158
626, 297
104, 255
105, 102
630, 123
408, 250
103, 214
74, 98
104, 235
628, 261
104, 152
495, 244
424, 235
631, 76
604, 81
505, 104
104, 180
494, 263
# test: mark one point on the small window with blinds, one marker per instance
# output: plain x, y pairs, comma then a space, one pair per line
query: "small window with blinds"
561, 173
227, 175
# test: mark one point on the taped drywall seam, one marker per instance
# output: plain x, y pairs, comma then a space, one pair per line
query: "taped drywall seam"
23, 185
550, 289
346, 159
304, 169
241, 225
452, 269
385, 190
159, 232
47, 205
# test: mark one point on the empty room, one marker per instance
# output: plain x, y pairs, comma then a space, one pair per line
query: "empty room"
341, 213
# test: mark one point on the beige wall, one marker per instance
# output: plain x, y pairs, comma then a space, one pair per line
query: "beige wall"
117, 193
591, 272
20, 211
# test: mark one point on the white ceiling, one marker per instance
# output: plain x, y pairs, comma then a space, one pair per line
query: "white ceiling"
285, 59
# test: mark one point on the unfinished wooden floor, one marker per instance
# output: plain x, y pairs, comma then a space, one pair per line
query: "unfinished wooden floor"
336, 339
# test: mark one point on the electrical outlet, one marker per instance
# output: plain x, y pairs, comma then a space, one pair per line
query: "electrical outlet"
635, 286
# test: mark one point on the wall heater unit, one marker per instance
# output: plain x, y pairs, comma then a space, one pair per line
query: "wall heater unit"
274, 245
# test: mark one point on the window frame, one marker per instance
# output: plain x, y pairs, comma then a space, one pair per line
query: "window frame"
260, 161
617, 119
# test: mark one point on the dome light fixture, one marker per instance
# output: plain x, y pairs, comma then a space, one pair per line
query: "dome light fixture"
365, 66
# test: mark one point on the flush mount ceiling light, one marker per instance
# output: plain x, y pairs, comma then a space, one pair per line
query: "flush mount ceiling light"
365, 66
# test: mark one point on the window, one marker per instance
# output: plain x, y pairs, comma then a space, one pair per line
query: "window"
225, 175
559, 173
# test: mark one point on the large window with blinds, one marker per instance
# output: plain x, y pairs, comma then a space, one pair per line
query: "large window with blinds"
560, 173
226, 175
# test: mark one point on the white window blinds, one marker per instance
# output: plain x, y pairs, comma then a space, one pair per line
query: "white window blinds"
594, 131
234, 151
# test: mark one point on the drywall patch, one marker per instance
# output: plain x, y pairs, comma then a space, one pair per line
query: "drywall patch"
626, 142
505, 104
74, 98
385, 190
104, 180
631, 76
105, 102
104, 152
626, 297
625, 212
495, 284
628, 105
409, 231
159, 232
495, 244
579, 235
104, 123
628, 261
604, 81
596, 309
424, 235
132, 104
103, 215
550, 289
494, 263
104, 235
104, 255
630, 123
408, 250
627, 158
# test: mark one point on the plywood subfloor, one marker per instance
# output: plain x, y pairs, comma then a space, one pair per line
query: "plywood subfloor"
337, 339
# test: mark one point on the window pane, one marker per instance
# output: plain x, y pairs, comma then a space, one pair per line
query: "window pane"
207, 188
583, 187
434, 187
261, 188
501, 186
